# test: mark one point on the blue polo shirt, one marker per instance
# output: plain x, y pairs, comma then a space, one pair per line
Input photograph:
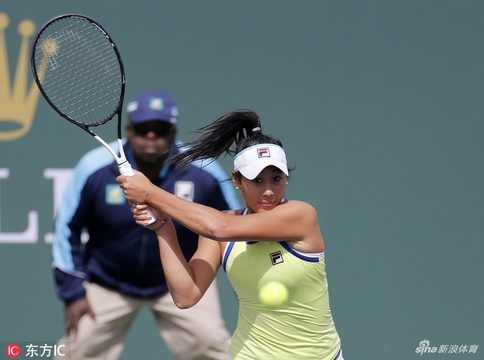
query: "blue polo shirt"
120, 254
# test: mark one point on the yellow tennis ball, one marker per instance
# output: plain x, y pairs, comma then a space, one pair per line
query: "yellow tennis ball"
273, 294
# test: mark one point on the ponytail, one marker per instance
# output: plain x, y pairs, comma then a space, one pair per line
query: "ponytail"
241, 128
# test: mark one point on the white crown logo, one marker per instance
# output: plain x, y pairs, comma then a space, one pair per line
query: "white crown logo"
17, 103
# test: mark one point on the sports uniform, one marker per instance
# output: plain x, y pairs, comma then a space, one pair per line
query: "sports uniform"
303, 327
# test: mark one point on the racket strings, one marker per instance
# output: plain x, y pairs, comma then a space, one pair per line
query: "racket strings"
79, 70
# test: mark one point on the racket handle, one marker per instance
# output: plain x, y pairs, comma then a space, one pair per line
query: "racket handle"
153, 218
126, 169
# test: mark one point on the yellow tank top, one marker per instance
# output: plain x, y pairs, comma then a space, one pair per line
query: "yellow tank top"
303, 327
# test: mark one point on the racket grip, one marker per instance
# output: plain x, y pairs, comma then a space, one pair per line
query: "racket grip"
153, 218
126, 169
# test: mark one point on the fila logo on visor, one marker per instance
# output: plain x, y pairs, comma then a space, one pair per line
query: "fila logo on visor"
263, 152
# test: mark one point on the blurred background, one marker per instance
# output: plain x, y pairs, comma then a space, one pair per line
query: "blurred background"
379, 105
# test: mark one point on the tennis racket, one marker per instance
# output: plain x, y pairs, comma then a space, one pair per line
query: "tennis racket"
79, 71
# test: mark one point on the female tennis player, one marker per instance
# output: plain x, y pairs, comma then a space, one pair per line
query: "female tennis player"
272, 239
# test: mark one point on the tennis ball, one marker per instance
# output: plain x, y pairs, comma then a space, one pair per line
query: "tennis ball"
273, 294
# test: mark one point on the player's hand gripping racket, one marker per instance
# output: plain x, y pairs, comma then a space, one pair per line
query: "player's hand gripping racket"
79, 71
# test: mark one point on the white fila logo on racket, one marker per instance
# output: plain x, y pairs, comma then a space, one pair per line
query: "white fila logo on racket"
276, 258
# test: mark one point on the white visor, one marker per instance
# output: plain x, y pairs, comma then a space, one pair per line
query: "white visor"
251, 161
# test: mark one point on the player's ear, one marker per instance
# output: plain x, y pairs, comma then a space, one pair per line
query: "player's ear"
236, 180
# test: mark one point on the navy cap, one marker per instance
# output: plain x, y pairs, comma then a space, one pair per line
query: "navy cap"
152, 105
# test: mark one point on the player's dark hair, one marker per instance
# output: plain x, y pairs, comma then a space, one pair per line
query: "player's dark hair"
239, 127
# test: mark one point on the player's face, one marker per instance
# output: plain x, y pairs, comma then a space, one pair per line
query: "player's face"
264, 192
151, 140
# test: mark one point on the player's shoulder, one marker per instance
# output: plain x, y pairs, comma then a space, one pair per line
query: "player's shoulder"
296, 203
298, 206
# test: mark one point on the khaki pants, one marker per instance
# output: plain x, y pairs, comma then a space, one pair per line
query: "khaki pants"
198, 333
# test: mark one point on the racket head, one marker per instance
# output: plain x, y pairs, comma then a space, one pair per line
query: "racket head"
79, 70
